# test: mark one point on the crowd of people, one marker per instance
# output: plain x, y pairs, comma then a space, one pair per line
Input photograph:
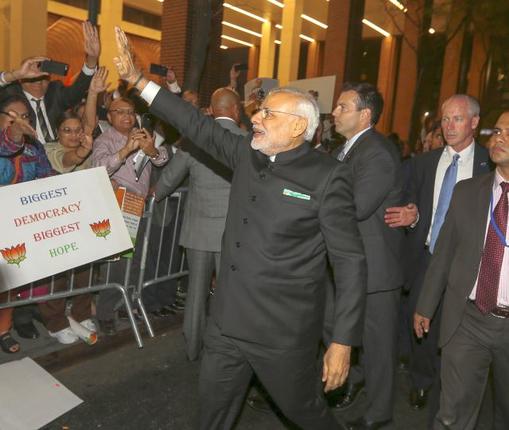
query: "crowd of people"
318, 248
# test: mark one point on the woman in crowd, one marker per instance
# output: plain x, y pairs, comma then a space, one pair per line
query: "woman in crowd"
70, 153
22, 158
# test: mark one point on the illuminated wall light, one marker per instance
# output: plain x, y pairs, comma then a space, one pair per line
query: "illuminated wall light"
238, 27
245, 12
398, 5
224, 47
233, 39
314, 21
304, 37
279, 26
431, 30
276, 3
376, 27
277, 42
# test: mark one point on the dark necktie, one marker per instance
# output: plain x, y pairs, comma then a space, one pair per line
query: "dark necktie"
493, 254
444, 199
42, 121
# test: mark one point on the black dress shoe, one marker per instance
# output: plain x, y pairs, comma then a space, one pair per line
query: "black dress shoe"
362, 424
107, 327
27, 331
349, 397
178, 305
418, 398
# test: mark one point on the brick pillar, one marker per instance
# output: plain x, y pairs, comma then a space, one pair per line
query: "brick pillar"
342, 41
175, 36
176, 33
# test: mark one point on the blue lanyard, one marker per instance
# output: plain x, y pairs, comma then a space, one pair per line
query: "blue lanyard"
494, 224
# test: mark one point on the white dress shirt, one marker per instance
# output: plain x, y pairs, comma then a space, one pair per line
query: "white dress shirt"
503, 284
465, 171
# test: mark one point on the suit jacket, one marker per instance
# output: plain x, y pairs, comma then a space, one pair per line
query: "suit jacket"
377, 185
455, 263
284, 218
206, 203
58, 98
420, 190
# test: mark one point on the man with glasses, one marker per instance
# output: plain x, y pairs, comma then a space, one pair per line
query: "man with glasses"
290, 208
116, 149
377, 184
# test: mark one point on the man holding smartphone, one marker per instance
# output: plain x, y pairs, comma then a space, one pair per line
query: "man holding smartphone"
48, 99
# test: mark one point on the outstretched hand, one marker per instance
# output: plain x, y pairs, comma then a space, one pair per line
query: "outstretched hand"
91, 43
124, 61
98, 83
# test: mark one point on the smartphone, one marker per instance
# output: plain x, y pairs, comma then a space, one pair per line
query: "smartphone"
239, 67
158, 69
148, 122
54, 67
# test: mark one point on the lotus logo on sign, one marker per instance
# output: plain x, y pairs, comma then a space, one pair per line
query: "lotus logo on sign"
14, 254
101, 228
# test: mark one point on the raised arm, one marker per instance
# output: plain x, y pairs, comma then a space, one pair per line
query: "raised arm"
202, 130
97, 85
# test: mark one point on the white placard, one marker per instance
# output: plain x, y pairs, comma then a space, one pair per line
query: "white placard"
53, 224
30, 397
325, 87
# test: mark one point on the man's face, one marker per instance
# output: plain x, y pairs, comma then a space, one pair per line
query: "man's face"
346, 116
121, 116
458, 125
18, 107
498, 144
279, 131
36, 87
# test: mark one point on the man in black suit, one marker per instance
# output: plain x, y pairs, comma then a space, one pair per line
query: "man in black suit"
377, 185
49, 99
289, 208
470, 269
460, 117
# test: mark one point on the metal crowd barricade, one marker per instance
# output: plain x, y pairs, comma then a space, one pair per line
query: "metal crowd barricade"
99, 271
96, 269
164, 255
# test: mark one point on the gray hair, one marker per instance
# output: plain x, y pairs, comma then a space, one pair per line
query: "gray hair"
473, 105
307, 107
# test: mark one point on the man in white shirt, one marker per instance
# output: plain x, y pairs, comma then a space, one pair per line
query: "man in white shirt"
429, 192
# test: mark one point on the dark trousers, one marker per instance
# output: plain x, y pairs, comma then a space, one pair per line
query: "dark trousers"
424, 364
201, 268
378, 357
290, 377
481, 342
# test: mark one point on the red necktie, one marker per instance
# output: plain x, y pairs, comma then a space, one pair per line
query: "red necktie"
491, 263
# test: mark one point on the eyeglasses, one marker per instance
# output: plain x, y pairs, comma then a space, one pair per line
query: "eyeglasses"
68, 130
267, 113
22, 116
129, 112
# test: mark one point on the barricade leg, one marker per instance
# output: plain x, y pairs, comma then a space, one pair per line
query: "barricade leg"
130, 315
